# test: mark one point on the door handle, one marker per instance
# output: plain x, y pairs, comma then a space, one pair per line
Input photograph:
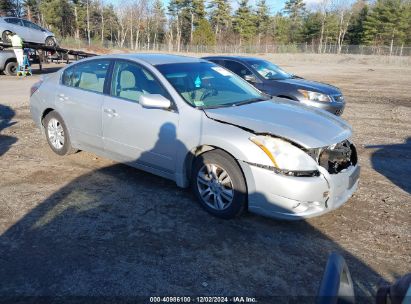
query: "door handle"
110, 112
63, 97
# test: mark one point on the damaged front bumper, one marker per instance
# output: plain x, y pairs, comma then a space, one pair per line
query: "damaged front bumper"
288, 197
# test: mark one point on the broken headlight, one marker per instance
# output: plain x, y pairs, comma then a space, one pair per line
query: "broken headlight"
338, 157
285, 157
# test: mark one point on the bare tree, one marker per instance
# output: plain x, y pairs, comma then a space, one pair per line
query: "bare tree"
323, 7
88, 22
344, 12
123, 22
102, 21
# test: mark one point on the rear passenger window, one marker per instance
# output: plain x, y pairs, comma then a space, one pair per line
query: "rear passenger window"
90, 75
67, 77
130, 81
14, 21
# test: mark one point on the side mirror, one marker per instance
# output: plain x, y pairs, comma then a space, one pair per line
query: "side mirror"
250, 78
154, 101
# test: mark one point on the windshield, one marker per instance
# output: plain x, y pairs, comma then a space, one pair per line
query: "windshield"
269, 70
206, 85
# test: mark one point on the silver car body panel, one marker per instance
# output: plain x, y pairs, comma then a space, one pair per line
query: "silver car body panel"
26, 33
164, 142
308, 127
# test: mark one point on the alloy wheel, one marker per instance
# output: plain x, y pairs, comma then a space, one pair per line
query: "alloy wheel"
55, 133
215, 187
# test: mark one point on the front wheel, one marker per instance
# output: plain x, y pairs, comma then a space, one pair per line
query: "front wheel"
51, 41
57, 134
219, 184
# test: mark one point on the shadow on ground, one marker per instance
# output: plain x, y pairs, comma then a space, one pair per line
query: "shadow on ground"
386, 162
6, 116
118, 231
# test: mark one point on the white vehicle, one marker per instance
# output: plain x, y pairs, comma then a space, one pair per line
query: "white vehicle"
28, 31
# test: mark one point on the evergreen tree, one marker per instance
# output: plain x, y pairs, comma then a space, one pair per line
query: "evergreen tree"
356, 29
387, 23
220, 15
203, 34
262, 19
244, 21
296, 10
311, 27
58, 15
281, 29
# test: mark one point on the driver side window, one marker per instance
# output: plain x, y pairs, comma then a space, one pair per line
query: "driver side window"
130, 81
237, 68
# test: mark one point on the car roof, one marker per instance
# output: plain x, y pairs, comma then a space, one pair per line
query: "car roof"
239, 58
157, 59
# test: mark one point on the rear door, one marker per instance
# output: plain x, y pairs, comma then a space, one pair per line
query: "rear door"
135, 134
80, 100
16, 25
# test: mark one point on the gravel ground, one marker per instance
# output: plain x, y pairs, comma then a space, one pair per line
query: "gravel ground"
85, 226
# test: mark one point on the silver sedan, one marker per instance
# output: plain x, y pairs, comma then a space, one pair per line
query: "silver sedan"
198, 124
28, 31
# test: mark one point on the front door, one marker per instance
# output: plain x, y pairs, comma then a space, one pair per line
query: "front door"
243, 71
135, 134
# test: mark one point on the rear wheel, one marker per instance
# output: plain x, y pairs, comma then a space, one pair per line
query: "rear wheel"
57, 134
219, 184
11, 68
4, 37
51, 41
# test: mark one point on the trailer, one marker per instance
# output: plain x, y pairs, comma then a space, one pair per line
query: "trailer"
39, 54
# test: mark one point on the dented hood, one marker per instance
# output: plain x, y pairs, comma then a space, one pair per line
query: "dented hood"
306, 126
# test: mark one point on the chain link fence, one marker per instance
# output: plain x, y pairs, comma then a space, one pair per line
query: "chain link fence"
245, 49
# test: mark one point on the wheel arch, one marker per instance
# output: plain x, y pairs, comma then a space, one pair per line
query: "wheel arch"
194, 153
10, 60
44, 114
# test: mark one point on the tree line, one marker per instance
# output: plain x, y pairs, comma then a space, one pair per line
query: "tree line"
137, 23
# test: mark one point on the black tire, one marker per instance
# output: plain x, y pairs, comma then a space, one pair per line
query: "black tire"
4, 37
51, 41
66, 147
239, 187
11, 68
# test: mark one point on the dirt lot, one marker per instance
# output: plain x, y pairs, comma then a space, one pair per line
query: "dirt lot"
82, 225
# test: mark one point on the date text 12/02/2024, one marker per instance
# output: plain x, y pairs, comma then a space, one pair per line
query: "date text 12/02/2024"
203, 300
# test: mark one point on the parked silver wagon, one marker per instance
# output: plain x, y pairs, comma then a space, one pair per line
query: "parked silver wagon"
198, 124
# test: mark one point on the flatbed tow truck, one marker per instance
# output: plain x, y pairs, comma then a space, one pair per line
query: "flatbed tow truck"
38, 54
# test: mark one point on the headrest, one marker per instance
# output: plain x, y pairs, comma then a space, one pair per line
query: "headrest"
127, 80
88, 78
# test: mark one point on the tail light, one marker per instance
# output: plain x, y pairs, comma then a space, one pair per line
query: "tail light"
36, 86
